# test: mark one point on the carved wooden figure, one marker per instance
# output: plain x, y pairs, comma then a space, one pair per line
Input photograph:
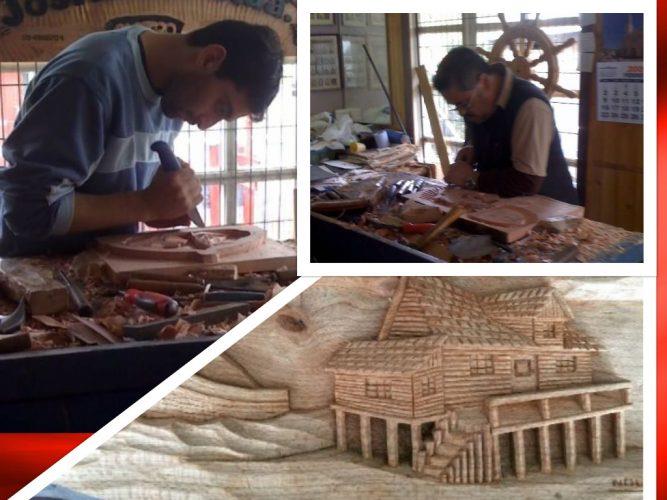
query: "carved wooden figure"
469, 370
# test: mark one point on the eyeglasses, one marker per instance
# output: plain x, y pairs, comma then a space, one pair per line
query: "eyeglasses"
463, 107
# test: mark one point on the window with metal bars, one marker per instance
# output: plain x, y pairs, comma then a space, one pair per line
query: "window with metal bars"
247, 169
438, 33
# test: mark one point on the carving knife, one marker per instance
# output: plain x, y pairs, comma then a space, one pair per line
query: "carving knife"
171, 164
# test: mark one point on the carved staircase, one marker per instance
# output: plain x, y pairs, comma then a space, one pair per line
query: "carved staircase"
455, 453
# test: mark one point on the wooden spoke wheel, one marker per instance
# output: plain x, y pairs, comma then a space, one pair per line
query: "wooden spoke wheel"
530, 46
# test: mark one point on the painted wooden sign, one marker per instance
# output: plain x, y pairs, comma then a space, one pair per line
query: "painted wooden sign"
36, 30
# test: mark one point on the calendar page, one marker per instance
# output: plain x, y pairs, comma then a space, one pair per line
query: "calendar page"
620, 91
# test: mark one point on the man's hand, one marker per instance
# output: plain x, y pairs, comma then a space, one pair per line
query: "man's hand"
466, 154
460, 173
172, 195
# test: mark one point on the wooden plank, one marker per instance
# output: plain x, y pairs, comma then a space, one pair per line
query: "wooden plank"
272, 256
393, 308
440, 145
33, 279
341, 430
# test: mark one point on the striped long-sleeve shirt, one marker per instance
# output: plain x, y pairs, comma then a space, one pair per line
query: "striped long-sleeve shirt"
86, 125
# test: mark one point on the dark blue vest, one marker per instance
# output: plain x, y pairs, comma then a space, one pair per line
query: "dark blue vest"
492, 141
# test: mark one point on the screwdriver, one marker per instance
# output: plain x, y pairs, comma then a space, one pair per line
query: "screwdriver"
151, 301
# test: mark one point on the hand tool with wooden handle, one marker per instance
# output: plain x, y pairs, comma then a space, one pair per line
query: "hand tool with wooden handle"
338, 205
171, 164
455, 212
151, 302
78, 298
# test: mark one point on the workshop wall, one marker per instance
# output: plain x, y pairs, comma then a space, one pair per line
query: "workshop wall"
615, 160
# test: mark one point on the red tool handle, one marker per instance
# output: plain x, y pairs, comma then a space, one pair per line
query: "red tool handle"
417, 228
152, 301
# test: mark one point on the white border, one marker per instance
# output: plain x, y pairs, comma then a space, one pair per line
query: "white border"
306, 268
164, 388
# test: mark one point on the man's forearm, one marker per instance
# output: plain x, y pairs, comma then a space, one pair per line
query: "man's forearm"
509, 182
97, 212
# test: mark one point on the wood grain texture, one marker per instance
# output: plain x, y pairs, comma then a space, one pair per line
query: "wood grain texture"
34, 280
175, 458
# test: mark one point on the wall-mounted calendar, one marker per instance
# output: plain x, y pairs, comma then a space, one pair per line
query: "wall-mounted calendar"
620, 91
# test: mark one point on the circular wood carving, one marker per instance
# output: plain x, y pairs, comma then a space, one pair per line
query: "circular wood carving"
207, 245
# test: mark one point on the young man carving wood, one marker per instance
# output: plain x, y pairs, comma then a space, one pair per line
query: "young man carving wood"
79, 157
515, 147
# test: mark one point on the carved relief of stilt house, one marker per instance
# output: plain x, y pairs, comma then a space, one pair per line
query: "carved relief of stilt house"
470, 369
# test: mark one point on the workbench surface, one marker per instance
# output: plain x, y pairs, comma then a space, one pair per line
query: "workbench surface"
352, 235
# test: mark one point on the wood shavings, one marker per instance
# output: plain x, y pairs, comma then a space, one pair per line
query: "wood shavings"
49, 321
44, 339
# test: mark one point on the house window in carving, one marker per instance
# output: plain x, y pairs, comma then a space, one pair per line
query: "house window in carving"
566, 365
550, 332
481, 364
378, 389
428, 386
523, 367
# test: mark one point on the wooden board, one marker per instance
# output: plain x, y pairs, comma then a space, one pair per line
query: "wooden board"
209, 244
427, 94
33, 279
507, 219
271, 256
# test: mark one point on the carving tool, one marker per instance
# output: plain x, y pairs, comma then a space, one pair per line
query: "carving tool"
339, 205
209, 316
79, 300
165, 286
392, 222
171, 164
150, 301
451, 216
13, 322
233, 296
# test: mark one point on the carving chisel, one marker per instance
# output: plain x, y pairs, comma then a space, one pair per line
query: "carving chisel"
78, 298
151, 301
171, 164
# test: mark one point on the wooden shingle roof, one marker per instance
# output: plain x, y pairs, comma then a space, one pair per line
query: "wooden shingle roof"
540, 302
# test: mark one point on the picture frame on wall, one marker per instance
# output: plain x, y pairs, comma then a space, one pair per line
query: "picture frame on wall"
321, 19
354, 62
376, 19
354, 19
324, 63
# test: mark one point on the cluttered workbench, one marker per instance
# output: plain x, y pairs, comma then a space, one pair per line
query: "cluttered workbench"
369, 215
83, 336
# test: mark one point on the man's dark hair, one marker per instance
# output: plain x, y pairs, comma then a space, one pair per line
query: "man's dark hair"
460, 68
254, 61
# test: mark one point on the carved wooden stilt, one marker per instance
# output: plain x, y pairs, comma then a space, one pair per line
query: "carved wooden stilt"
545, 449
392, 443
488, 456
472, 466
365, 429
479, 459
519, 455
596, 439
457, 470
416, 438
585, 400
464, 466
341, 431
496, 458
570, 445
619, 428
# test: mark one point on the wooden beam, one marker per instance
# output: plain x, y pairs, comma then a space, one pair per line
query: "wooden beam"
457, 469
416, 439
545, 450
519, 455
392, 443
427, 94
472, 465
570, 445
488, 456
479, 459
585, 400
365, 430
545, 410
596, 439
619, 428
497, 470
464, 466
341, 431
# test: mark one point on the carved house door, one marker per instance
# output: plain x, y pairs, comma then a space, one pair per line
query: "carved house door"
524, 374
